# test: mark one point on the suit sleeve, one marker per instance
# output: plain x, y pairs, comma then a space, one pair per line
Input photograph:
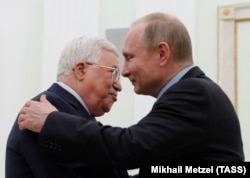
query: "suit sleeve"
173, 128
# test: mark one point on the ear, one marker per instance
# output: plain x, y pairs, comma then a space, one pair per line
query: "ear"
79, 70
164, 52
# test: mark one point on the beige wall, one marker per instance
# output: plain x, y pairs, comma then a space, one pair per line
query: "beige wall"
206, 29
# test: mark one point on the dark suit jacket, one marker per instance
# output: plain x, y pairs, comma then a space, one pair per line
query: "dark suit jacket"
25, 159
192, 121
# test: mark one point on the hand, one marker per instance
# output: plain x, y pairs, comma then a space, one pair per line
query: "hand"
34, 113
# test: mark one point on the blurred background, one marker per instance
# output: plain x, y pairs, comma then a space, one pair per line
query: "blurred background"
33, 33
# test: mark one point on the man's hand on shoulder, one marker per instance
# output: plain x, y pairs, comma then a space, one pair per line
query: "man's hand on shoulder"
34, 113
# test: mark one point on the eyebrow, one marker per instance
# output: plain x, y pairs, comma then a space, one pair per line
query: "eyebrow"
115, 66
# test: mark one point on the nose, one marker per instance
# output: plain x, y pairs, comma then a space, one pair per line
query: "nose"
117, 85
125, 71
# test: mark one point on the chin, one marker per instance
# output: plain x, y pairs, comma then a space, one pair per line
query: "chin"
107, 109
137, 91
99, 114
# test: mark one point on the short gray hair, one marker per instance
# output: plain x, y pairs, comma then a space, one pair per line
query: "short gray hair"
88, 49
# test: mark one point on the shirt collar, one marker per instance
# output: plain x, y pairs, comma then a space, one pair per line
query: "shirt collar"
75, 94
174, 80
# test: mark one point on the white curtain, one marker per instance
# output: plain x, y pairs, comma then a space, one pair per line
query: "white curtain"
63, 21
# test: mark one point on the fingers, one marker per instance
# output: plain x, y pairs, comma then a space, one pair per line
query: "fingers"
29, 103
22, 115
24, 109
21, 122
43, 99
34, 113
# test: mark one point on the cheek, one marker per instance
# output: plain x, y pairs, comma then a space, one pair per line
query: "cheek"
103, 86
131, 69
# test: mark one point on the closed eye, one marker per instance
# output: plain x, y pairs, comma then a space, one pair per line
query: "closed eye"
128, 57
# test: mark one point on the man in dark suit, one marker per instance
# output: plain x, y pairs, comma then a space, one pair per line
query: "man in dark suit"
192, 119
87, 86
